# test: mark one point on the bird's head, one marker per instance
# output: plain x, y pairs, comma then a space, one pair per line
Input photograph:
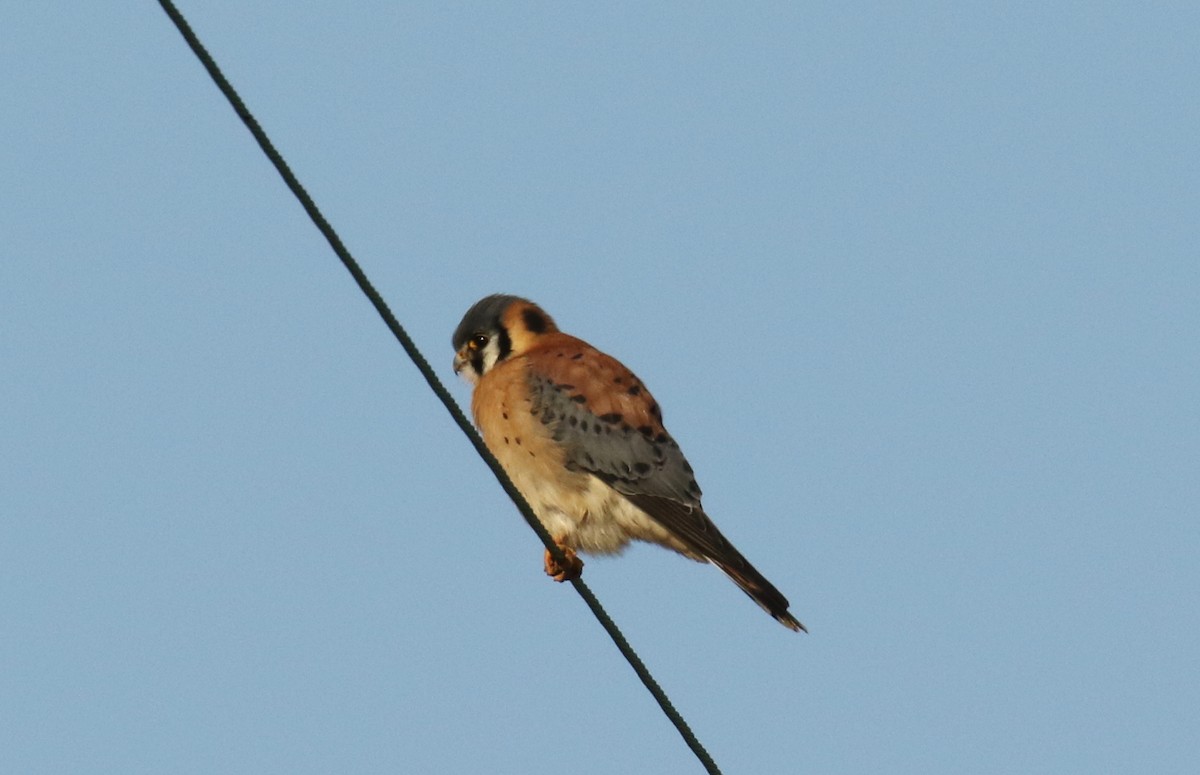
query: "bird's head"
495, 328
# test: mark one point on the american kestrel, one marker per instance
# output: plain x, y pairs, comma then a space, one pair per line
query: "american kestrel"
584, 442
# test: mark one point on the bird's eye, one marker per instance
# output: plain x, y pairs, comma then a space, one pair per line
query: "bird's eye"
477, 342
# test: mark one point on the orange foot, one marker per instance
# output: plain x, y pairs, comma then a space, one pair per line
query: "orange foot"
573, 568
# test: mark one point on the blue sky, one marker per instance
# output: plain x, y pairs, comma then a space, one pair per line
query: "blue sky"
917, 287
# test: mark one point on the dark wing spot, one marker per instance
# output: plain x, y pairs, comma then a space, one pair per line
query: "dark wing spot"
655, 412
661, 438
548, 416
518, 442
576, 356
579, 399
646, 430
641, 468
573, 420
504, 415
534, 321
612, 418
636, 390
565, 386
505, 439
619, 380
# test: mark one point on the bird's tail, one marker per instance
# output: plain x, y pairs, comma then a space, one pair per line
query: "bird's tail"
741, 572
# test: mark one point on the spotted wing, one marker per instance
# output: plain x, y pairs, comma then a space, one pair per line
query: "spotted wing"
610, 426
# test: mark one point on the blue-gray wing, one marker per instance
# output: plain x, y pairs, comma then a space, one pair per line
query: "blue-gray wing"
623, 442
610, 426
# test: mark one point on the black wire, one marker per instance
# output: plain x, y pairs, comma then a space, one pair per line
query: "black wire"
435, 384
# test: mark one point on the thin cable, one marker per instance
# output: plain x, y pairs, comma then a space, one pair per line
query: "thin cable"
431, 377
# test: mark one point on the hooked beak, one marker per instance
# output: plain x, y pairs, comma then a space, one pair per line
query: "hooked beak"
460, 363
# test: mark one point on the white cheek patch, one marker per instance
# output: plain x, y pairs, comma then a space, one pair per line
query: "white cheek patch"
491, 354
476, 363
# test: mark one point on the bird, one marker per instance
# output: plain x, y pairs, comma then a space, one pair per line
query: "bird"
583, 440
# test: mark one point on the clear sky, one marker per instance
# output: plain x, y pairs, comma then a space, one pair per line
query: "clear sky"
918, 287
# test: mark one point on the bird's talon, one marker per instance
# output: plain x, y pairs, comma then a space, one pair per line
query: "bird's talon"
572, 570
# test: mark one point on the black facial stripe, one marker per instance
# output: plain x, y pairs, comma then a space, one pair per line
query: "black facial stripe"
503, 344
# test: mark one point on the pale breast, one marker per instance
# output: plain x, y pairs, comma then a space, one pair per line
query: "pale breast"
574, 506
